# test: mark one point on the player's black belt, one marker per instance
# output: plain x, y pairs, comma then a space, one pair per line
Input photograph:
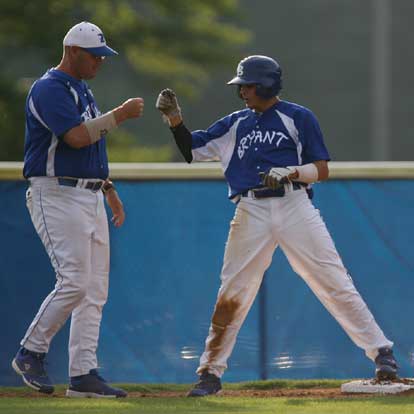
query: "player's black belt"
81, 183
268, 192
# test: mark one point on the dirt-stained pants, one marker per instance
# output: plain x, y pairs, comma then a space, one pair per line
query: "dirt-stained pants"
294, 224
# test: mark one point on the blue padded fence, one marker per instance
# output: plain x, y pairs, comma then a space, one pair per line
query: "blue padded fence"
165, 268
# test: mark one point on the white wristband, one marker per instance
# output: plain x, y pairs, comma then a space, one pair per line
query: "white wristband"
308, 173
100, 126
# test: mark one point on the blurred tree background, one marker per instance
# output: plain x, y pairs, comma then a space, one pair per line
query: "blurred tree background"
325, 47
161, 43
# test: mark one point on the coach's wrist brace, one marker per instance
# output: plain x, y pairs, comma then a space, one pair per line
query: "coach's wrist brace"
107, 185
307, 173
100, 126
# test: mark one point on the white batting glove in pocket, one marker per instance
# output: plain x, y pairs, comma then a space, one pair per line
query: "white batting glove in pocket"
277, 177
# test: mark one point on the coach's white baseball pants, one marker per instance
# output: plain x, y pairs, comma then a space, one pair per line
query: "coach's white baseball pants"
73, 227
294, 224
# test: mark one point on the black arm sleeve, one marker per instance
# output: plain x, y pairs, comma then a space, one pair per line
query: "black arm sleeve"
183, 139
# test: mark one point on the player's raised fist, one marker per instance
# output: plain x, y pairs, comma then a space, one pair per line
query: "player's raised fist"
167, 103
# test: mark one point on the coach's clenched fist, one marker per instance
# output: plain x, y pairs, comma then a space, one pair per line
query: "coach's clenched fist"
131, 108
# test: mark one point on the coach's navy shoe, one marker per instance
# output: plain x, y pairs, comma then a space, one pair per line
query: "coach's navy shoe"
92, 385
31, 366
208, 384
386, 365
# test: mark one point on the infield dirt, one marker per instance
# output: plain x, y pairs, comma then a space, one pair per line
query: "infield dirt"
331, 393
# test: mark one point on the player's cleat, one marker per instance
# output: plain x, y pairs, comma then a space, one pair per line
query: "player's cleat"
31, 366
92, 385
208, 384
386, 365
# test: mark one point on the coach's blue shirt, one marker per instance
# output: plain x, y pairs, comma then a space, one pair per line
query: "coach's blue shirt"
247, 143
57, 103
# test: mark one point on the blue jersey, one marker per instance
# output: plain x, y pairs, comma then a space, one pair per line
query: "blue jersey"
247, 143
56, 103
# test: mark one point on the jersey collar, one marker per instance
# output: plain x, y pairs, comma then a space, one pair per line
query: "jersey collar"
268, 110
64, 76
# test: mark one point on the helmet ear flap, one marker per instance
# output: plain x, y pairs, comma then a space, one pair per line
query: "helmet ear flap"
265, 93
270, 91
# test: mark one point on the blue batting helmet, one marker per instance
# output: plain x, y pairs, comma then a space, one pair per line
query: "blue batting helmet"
262, 71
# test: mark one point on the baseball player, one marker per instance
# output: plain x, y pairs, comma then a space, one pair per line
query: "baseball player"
270, 153
66, 164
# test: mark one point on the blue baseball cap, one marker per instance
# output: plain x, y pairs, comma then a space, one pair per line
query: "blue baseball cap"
89, 37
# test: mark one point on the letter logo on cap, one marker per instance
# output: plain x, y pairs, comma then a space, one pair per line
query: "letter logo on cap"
240, 70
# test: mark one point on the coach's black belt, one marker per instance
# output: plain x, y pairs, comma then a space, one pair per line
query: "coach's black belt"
81, 183
268, 192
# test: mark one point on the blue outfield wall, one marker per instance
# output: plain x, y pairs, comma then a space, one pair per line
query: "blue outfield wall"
165, 268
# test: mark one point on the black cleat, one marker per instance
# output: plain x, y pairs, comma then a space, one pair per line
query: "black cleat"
92, 385
31, 366
386, 365
208, 384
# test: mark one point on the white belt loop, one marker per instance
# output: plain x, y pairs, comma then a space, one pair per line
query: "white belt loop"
251, 194
288, 187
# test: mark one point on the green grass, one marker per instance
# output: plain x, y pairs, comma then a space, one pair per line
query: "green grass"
377, 405
18, 400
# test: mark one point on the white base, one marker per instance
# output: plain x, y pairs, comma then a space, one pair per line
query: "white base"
374, 386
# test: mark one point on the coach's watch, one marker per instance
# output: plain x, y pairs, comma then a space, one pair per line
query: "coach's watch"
107, 185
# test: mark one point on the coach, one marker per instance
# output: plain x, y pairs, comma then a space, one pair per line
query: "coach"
65, 162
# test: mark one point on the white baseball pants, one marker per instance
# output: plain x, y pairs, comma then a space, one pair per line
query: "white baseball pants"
73, 227
294, 224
